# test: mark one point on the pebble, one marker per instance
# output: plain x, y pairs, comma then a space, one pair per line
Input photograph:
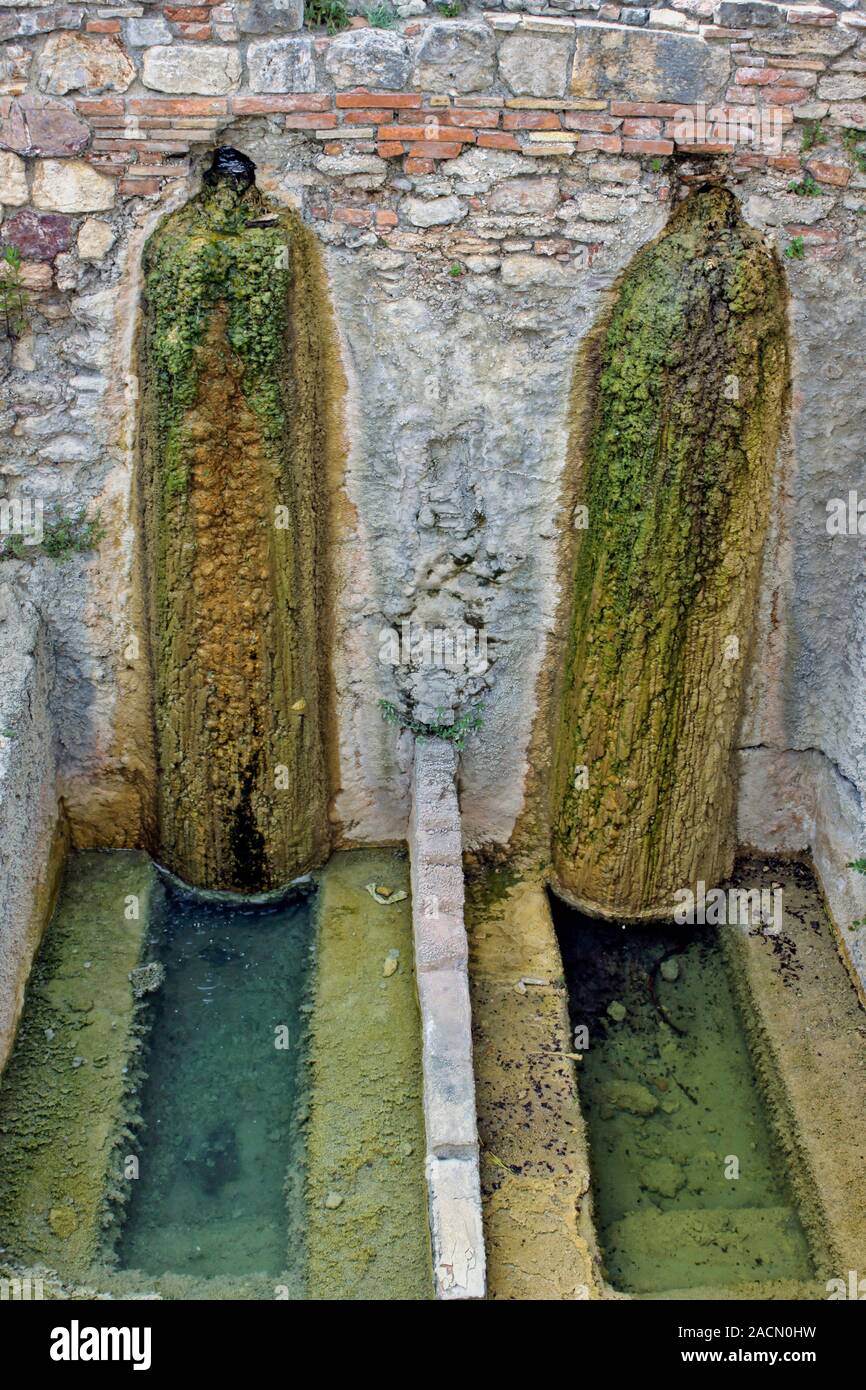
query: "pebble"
669, 970
333, 1200
616, 1011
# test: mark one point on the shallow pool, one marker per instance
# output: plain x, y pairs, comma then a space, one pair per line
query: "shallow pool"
220, 1155
689, 1187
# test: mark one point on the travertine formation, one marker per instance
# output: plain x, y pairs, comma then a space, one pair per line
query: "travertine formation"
233, 451
675, 468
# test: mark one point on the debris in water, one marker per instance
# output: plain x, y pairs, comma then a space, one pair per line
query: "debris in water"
383, 894
147, 978
392, 961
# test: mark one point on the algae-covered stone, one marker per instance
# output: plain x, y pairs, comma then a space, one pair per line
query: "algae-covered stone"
684, 402
616, 1011
663, 1177
63, 1221
630, 1096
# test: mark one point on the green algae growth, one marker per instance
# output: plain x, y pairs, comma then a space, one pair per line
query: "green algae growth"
679, 402
366, 1188
65, 1097
239, 377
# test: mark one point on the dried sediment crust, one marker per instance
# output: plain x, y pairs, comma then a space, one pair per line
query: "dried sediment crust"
677, 423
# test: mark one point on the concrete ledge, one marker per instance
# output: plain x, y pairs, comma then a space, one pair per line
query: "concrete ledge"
441, 956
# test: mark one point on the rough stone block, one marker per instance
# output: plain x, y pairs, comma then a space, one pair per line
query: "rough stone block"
71, 185
38, 236
368, 58
455, 57
433, 212
535, 66
747, 14
536, 195
42, 125
202, 69
269, 16
72, 62
282, 65
13, 180
146, 31
646, 65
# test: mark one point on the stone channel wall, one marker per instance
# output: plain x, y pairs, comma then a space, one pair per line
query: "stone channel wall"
477, 184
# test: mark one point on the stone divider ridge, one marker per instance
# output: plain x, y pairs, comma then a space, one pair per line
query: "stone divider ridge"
441, 962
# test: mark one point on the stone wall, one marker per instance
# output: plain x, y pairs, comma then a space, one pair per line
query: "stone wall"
478, 184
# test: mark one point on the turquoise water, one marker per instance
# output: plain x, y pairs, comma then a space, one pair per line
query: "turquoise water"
690, 1189
220, 1186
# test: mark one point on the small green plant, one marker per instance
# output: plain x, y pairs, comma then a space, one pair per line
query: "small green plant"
859, 865
13, 293
456, 269
807, 187
450, 9
381, 16
326, 14
457, 733
852, 139
656, 165
813, 135
796, 249
61, 538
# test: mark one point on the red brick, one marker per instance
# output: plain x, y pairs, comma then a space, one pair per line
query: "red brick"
497, 140
317, 122
130, 187
430, 149
641, 127
386, 218
333, 147
431, 133
353, 217
743, 96
187, 13
176, 106
396, 100
100, 106
648, 108
586, 120
390, 149
467, 116
198, 33
257, 106
786, 96
825, 172
647, 146
370, 114
418, 166
705, 147
756, 77
824, 234
102, 26
609, 144
784, 161
530, 120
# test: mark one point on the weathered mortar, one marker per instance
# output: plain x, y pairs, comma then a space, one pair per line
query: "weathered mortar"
458, 383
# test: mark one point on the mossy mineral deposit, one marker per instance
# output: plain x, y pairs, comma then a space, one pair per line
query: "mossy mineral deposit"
675, 450
237, 365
